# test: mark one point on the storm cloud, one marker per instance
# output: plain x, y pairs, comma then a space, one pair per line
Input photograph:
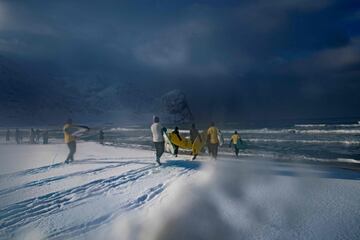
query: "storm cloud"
247, 59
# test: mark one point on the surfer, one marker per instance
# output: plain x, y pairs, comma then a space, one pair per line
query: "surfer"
101, 137
32, 136
194, 133
158, 139
17, 136
45, 136
37, 135
177, 133
7, 135
70, 140
235, 140
213, 140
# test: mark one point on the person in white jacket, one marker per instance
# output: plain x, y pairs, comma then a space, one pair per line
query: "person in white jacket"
158, 139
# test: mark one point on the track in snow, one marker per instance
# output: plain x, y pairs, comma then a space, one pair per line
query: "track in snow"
148, 181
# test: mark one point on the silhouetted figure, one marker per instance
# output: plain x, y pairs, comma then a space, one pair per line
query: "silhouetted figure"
194, 133
7, 135
101, 137
32, 136
37, 135
177, 133
45, 136
17, 136
21, 136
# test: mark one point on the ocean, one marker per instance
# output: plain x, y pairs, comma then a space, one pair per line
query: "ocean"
300, 142
335, 142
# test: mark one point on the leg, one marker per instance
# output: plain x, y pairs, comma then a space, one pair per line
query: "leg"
216, 146
176, 150
73, 151
210, 147
69, 155
236, 151
159, 147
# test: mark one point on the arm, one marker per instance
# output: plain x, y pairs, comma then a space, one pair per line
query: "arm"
178, 135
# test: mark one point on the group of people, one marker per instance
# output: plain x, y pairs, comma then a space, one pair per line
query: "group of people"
157, 130
34, 136
212, 139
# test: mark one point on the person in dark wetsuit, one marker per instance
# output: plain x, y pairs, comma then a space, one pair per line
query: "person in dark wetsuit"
7, 135
45, 136
17, 136
194, 133
101, 137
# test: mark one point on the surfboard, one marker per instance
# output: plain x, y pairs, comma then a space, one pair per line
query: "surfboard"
220, 138
78, 131
199, 143
169, 147
183, 143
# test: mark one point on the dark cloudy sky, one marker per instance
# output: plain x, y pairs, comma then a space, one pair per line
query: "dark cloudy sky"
260, 59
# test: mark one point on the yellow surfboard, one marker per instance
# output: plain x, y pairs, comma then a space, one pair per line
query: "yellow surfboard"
183, 143
199, 143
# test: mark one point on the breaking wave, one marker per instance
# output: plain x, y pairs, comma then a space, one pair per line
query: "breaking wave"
320, 142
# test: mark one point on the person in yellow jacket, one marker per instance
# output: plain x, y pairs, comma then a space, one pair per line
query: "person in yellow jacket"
213, 140
70, 140
235, 141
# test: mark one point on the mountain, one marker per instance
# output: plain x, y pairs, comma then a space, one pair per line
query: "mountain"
42, 99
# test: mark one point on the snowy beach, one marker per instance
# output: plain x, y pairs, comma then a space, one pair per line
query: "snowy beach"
119, 193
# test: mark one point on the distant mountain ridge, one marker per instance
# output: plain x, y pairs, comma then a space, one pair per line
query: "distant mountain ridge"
30, 99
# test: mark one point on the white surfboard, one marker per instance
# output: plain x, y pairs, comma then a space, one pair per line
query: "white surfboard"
220, 138
80, 131
169, 147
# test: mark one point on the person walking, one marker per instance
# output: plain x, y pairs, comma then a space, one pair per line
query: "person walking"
158, 138
7, 135
17, 136
194, 133
70, 140
37, 135
32, 136
45, 136
213, 140
177, 133
101, 137
235, 140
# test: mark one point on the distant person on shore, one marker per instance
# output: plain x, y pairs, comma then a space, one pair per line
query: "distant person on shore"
45, 136
37, 135
177, 133
70, 140
17, 136
158, 139
32, 136
7, 135
21, 136
213, 140
101, 137
235, 140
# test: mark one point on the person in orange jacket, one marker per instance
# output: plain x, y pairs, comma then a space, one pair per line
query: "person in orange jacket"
70, 140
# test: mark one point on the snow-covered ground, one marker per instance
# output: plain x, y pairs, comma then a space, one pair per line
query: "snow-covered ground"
119, 193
